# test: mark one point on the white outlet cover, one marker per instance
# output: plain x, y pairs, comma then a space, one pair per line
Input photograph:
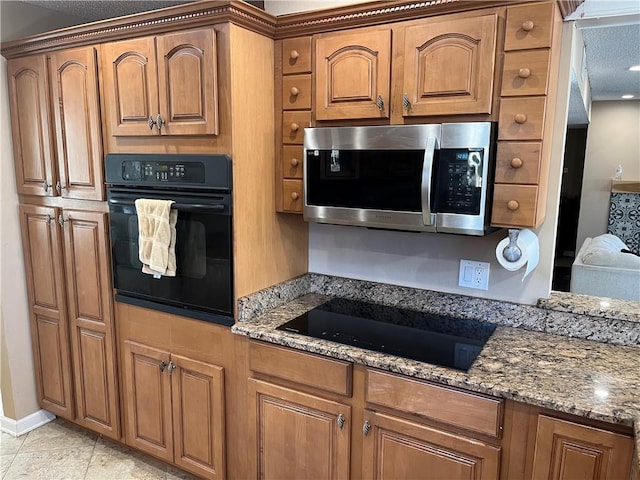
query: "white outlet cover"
474, 274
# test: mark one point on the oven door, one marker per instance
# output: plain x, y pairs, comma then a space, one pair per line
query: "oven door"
203, 285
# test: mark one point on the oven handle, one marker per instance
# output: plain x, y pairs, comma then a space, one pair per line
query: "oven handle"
186, 207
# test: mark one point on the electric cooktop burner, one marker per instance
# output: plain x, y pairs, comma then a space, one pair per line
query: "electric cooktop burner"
431, 338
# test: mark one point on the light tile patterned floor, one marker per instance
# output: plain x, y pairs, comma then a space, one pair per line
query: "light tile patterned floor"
61, 450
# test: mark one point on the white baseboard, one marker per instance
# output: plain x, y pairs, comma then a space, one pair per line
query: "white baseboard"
25, 424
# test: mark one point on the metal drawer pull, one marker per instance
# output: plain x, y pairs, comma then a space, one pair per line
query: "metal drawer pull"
46, 186
366, 427
405, 101
163, 365
340, 421
171, 367
160, 122
62, 220
49, 219
151, 122
380, 103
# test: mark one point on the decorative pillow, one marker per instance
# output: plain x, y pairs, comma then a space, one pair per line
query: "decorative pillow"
606, 251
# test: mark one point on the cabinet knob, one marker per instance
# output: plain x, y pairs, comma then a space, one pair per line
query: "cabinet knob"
49, 219
295, 127
340, 421
62, 220
366, 427
513, 205
528, 25
294, 195
160, 122
294, 162
406, 103
294, 91
524, 72
516, 162
520, 118
151, 122
380, 103
294, 55
46, 186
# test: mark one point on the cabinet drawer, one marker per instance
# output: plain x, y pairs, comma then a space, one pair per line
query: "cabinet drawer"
296, 55
521, 118
296, 92
529, 26
292, 195
518, 162
292, 158
293, 125
469, 411
525, 73
299, 367
514, 205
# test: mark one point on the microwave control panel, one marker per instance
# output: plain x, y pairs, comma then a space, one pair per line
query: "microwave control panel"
460, 178
165, 172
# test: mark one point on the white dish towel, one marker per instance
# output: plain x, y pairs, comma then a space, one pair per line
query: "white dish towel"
157, 236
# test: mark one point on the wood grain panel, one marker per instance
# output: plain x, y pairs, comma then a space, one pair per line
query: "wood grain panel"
296, 92
52, 362
32, 142
525, 73
521, 118
524, 213
292, 161
292, 195
472, 412
304, 368
529, 26
93, 393
296, 55
518, 162
293, 125
199, 417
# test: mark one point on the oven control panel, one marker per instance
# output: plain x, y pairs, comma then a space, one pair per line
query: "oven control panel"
163, 172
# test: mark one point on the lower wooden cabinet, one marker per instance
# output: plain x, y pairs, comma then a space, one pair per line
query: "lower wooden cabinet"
297, 435
174, 408
394, 448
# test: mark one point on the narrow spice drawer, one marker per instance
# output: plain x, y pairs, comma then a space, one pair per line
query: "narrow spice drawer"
518, 162
293, 125
296, 92
296, 55
521, 118
469, 411
514, 205
529, 26
304, 368
525, 73
292, 195
292, 161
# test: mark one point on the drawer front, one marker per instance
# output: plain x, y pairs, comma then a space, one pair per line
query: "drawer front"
292, 195
296, 92
469, 411
525, 73
304, 368
518, 162
521, 118
514, 205
529, 26
292, 158
296, 55
293, 125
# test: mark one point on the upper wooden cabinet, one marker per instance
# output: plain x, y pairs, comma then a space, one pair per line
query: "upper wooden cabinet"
448, 66
353, 74
164, 85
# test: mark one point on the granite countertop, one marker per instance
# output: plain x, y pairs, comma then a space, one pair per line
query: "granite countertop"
581, 377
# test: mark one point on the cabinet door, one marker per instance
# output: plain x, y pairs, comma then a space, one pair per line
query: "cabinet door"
130, 86
187, 82
298, 436
198, 417
147, 400
41, 241
395, 448
352, 74
76, 114
91, 320
566, 450
30, 125
448, 66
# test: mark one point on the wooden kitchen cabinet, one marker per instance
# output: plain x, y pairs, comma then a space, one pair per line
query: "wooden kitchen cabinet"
174, 408
162, 85
72, 323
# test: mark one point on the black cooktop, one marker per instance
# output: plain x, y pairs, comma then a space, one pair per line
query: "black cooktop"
430, 338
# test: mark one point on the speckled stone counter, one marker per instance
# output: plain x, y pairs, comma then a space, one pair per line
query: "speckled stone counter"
601, 307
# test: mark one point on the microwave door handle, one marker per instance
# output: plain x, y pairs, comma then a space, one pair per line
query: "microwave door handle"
428, 217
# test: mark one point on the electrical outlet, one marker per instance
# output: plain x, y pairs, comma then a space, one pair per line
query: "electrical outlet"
474, 274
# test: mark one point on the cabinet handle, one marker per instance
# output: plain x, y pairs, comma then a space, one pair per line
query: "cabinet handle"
151, 122
160, 122
171, 367
513, 205
49, 219
516, 162
366, 427
294, 55
163, 365
62, 220
340, 421
295, 127
294, 195
520, 118
528, 25
405, 101
60, 187
294, 162
524, 72
380, 103
294, 91
46, 186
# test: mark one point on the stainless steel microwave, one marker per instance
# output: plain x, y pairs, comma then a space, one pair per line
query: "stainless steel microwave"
427, 178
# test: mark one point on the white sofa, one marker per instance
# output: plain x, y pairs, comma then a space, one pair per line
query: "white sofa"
601, 269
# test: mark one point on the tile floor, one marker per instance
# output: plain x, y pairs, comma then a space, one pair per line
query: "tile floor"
61, 450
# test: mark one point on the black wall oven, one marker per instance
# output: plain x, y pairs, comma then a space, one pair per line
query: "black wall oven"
200, 187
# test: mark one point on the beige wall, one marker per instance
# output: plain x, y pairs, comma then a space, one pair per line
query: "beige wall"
613, 139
